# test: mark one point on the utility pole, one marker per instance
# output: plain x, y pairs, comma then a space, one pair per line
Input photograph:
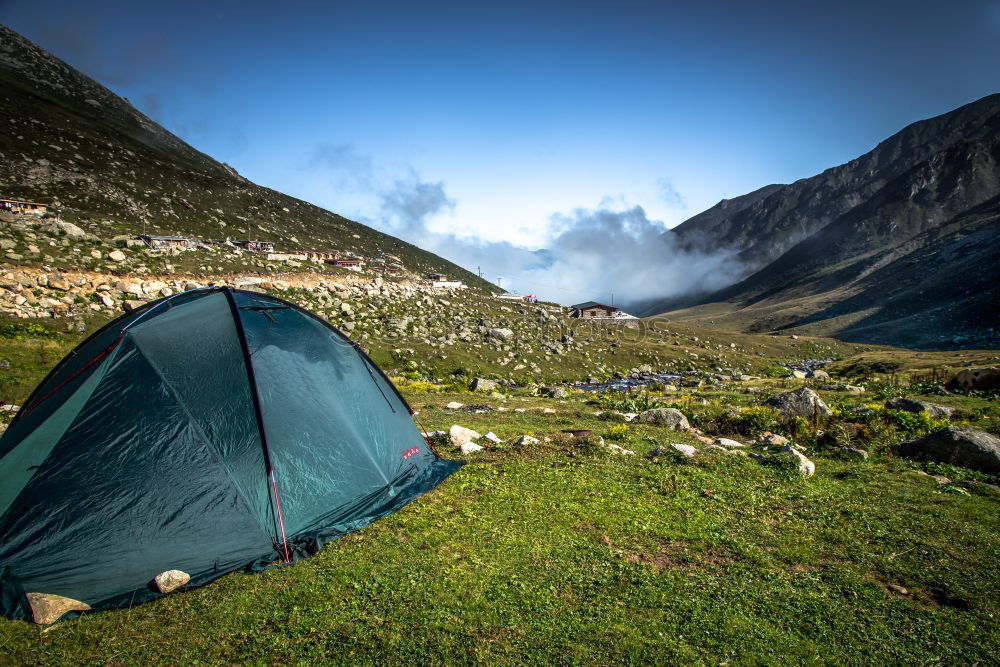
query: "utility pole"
500, 282
612, 298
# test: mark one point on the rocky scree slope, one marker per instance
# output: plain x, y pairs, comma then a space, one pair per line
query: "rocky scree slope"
100, 163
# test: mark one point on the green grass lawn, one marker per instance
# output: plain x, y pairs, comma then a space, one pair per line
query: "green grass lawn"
556, 555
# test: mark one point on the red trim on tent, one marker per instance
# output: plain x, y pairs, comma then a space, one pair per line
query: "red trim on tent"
62, 384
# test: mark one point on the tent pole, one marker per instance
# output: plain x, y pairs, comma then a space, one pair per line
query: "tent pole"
255, 398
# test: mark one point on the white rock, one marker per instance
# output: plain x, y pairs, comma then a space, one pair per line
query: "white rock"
460, 435
620, 450
686, 450
70, 229
548, 411
727, 443
806, 467
171, 580
470, 447
116, 256
454, 405
492, 437
525, 440
48, 608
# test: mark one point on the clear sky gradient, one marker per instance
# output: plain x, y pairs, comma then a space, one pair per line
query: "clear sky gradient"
525, 111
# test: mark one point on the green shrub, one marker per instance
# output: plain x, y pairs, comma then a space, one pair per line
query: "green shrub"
913, 424
26, 331
774, 371
618, 432
623, 401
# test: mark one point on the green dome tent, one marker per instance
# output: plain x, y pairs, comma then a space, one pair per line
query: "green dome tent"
207, 432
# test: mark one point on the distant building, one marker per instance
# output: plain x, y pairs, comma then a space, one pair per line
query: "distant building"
437, 277
285, 256
321, 255
352, 263
591, 310
448, 284
22, 206
527, 298
255, 246
167, 242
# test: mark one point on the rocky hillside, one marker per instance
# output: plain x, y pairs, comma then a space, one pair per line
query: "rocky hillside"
898, 245
100, 163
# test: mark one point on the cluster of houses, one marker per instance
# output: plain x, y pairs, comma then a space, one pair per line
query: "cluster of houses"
22, 207
440, 280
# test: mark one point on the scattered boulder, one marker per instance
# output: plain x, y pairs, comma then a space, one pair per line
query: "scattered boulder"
957, 445
459, 435
799, 375
70, 230
726, 443
470, 448
504, 334
616, 449
554, 392
975, 379
853, 454
454, 405
171, 580
482, 384
687, 450
820, 375
525, 440
47, 608
806, 467
669, 417
911, 405
769, 438
493, 437
116, 256
802, 402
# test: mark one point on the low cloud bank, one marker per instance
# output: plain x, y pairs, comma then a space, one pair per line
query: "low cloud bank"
592, 254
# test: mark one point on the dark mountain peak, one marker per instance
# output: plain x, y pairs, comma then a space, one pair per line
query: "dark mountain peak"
763, 224
812, 247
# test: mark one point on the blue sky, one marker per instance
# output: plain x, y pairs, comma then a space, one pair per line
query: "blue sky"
519, 116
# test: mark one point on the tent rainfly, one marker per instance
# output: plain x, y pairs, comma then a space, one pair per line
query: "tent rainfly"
211, 431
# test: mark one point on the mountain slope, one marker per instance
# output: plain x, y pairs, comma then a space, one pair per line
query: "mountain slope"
771, 224
99, 162
907, 257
